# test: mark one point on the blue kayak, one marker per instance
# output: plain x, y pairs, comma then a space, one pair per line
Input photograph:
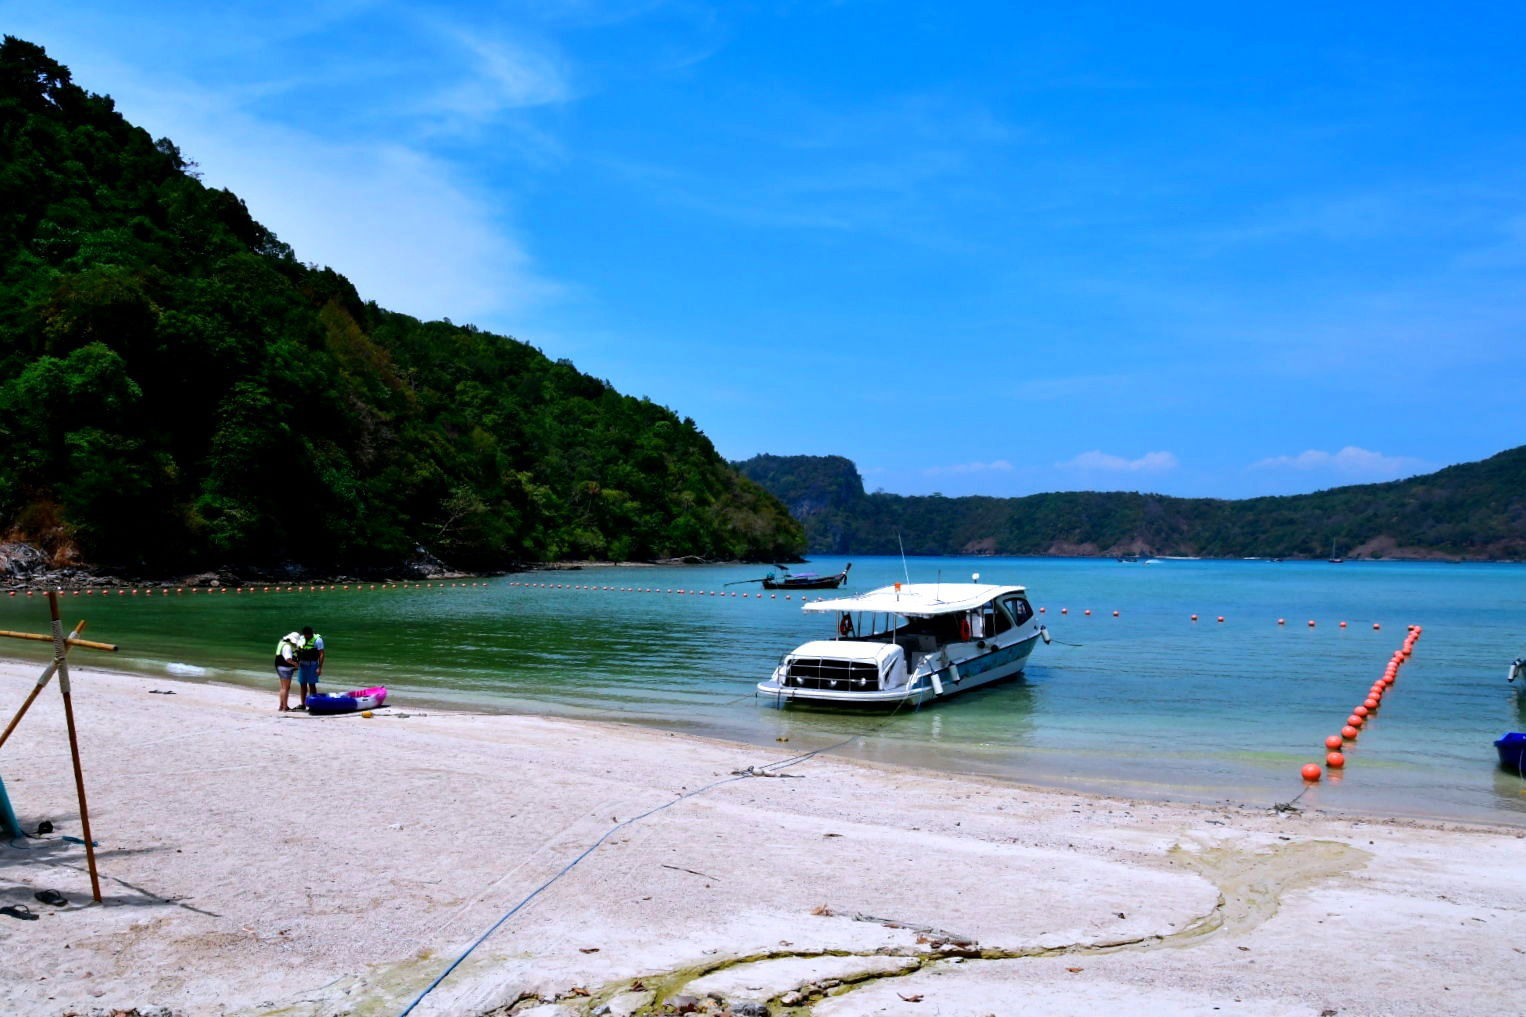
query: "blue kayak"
347, 702
1512, 750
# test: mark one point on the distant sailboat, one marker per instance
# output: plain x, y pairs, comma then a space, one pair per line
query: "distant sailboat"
1333, 559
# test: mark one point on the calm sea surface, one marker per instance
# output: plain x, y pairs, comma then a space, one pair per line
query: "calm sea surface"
1144, 704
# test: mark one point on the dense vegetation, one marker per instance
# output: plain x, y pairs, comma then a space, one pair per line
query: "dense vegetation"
1473, 511
177, 389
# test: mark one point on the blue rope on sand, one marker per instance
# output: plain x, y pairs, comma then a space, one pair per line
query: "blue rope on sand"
562, 872
739, 775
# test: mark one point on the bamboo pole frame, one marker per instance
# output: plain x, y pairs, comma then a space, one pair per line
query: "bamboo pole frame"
41, 682
72, 639
60, 667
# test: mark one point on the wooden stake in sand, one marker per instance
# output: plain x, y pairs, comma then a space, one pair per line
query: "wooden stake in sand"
60, 667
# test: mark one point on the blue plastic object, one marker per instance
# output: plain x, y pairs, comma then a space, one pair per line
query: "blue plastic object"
8, 823
1512, 750
331, 702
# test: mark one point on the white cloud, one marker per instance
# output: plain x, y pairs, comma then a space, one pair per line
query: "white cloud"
995, 465
1150, 462
508, 74
1349, 461
401, 224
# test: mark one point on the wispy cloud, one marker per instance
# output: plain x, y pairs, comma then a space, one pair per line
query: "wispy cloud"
1350, 461
503, 73
1097, 460
888, 168
403, 225
994, 466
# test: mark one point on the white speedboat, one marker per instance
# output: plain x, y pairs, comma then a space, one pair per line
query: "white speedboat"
910, 642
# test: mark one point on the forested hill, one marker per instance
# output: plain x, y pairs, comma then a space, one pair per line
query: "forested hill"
178, 390
1470, 511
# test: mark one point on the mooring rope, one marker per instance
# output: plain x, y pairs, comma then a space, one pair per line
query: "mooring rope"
737, 775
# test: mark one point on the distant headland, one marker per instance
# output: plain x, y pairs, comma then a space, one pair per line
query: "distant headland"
1469, 512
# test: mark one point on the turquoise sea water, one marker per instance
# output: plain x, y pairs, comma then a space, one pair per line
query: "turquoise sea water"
1145, 704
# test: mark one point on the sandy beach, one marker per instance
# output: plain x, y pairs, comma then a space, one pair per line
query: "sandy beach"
257, 863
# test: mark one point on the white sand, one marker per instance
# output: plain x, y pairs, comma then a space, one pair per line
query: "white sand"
259, 863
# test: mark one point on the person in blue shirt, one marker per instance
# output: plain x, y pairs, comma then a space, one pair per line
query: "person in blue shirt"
309, 663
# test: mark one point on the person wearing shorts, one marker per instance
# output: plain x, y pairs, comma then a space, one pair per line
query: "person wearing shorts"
309, 663
286, 665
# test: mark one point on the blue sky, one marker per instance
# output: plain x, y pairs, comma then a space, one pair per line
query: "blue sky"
977, 248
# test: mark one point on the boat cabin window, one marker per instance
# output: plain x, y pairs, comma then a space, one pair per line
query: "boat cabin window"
941, 628
1018, 608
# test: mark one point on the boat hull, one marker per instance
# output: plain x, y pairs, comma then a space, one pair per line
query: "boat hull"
1512, 751
960, 675
829, 583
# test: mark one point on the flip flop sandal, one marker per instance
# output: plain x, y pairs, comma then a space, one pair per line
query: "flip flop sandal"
20, 911
52, 897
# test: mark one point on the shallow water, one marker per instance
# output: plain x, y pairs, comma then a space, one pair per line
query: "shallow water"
1146, 704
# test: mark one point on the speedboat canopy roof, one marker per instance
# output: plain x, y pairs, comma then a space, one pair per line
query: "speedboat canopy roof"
917, 600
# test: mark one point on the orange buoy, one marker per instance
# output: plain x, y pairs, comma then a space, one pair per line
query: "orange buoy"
1376, 626
1282, 621
1115, 614
1343, 624
1355, 720
1087, 612
1371, 703
1361, 711
1043, 609
1311, 623
1349, 733
1194, 617
1221, 617
1335, 760
1065, 610
1333, 742
1311, 772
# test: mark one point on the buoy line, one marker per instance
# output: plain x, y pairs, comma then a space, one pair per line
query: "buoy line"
1338, 745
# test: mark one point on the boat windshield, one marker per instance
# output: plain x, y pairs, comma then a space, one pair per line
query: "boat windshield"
960, 626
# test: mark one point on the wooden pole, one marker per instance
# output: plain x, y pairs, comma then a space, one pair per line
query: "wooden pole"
39, 637
60, 648
41, 682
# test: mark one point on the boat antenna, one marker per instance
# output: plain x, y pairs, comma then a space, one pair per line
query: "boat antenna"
902, 546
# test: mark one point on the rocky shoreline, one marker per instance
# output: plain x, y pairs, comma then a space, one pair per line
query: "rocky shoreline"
25, 567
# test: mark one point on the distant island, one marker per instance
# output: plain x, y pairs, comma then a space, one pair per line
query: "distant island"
178, 391
1471, 512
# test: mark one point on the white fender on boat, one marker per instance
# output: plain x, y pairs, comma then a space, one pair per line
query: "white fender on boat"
1517, 668
1044, 631
937, 685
